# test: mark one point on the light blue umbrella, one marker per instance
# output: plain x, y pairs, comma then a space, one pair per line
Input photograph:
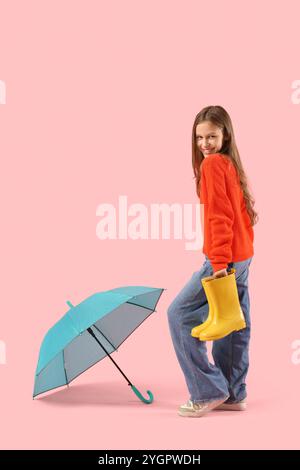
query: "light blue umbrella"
90, 331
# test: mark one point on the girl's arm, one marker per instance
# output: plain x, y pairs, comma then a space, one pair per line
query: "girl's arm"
220, 214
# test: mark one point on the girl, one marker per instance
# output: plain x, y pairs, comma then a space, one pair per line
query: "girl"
227, 216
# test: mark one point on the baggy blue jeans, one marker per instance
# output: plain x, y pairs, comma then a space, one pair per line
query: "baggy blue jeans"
226, 377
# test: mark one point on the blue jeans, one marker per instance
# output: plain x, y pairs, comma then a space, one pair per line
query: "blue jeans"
226, 377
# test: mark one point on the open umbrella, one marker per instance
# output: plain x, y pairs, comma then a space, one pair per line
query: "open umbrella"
90, 331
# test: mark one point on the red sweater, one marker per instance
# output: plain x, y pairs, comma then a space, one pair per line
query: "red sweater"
228, 233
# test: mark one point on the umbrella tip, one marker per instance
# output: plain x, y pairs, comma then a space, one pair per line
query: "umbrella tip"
70, 304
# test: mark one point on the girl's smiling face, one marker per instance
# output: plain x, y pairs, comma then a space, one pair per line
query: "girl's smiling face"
209, 138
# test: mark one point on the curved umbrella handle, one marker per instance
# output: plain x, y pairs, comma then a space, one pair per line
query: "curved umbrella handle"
138, 394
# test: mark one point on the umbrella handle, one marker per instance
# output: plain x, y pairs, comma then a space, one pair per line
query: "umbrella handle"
138, 394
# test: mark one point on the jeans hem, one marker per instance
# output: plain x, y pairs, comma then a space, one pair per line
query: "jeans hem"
211, 399
234, 402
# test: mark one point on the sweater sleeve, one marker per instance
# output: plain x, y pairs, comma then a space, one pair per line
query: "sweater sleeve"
220, 214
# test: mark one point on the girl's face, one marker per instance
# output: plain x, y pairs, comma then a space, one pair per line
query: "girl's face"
209, 138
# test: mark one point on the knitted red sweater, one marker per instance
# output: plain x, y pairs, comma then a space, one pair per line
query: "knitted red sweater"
228, 233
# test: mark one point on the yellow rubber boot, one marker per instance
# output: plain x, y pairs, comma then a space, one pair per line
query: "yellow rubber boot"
197, 329
228, 315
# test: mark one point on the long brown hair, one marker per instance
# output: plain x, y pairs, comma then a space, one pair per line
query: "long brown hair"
219, 117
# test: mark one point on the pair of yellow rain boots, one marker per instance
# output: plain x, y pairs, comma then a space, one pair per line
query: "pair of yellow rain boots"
225, 314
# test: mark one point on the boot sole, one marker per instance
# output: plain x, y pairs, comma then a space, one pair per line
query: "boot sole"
212, 338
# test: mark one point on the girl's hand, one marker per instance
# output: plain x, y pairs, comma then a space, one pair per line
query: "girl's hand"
221, 273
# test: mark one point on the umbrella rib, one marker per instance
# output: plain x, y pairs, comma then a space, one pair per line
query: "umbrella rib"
65, 366
127, 302
105, 337
138, 305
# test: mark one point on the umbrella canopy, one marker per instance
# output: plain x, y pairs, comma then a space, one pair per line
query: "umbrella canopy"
90, 331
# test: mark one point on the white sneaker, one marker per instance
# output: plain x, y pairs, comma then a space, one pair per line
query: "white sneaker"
199, 409
238, 406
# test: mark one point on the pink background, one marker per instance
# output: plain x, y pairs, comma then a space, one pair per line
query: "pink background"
101, 98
